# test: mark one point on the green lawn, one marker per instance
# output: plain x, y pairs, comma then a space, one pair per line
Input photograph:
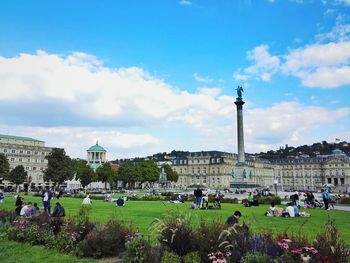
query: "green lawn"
13, 252
142, 213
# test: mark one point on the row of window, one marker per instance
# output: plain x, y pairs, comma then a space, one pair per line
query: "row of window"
20, 160
31, 168
310, 166
23, 152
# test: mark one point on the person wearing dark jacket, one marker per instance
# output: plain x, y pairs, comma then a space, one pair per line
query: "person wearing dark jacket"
58, 211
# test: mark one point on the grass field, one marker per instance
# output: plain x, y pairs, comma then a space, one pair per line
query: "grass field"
13, 252
142, 213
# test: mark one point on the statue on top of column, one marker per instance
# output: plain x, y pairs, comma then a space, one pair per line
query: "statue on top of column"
239, 92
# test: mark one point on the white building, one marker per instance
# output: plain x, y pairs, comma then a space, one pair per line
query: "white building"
28, 152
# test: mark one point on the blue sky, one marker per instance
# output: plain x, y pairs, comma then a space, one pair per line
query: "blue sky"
152, 76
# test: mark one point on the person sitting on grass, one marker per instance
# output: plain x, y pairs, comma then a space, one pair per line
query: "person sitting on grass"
289, 212
233, 219
250, 199
272, 210
120, 202
26, 210
86, 200
58, 211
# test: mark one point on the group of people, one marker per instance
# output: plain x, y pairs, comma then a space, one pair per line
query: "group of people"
202, 201
30, 210
250, 200
289, 211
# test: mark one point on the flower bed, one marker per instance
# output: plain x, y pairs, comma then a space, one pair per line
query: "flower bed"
178, 240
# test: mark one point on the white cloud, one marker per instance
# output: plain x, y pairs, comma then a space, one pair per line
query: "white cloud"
199, 78
320, 65
264, 64
288, 122
76, 140
99, 93
345, 2
185, 2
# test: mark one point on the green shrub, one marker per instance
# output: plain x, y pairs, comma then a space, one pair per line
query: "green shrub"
230, 200
256, 257
266, 200
192, 257
106, 240
139, 250
97, 197
344, 200
329, 243
207, 236
175, 233
7, 216
169, 257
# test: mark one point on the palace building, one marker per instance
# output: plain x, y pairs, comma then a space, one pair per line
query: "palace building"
215, 169
311, 173
28, 152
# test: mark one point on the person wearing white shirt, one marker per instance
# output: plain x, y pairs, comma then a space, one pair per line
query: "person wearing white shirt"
86, 200
290, 211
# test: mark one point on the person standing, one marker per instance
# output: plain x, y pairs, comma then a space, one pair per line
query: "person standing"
46, 195
325, 197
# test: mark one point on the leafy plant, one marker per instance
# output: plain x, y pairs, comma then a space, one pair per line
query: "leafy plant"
106, 240
172, 230
169, 257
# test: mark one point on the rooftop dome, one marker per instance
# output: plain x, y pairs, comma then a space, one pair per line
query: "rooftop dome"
96, 148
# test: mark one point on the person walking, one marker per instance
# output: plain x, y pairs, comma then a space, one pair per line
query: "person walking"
325, 197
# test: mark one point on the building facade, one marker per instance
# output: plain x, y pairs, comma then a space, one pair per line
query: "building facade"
313, 173
207, 168
28, 152
214, 169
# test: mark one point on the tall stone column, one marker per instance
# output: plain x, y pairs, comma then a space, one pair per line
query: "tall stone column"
240, 135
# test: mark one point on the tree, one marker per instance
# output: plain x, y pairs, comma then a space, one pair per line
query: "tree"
170, 173
59, 168
17, 176
129, 173
4, 166
149, 171
86, 176
105, 174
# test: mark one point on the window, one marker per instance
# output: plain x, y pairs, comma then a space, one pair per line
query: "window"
34, 168
42, 153
28, 160
28, 152
27, 168
198, 161
342, 182
12, 159
20, 159
329, 180
42, 160
36, 153
21, 151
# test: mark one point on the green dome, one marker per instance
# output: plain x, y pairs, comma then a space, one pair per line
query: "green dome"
97, 148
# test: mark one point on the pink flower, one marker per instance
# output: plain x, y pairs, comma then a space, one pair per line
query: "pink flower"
283, 245
311, 249
296, 251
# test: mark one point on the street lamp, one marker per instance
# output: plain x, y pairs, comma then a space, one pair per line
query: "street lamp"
275, 182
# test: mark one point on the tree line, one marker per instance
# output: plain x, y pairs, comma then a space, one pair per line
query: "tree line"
61, 168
